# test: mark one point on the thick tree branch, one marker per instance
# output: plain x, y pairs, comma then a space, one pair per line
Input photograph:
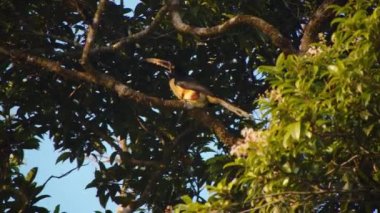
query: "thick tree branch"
272, 32
136, 36
216, 126
123, 91
92, 32
321, 16
101, 79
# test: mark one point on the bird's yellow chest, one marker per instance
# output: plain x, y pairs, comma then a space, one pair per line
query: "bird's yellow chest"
195, 98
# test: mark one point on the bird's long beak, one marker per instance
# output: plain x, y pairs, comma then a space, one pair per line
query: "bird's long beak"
162, 63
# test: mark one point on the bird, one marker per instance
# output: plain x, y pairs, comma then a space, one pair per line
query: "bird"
192, 92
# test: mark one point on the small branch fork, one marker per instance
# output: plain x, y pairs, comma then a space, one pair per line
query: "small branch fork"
136, 36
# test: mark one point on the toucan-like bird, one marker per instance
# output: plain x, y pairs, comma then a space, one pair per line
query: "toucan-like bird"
187, 89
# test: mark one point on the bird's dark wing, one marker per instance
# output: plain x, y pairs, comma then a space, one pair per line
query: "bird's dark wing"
191, 84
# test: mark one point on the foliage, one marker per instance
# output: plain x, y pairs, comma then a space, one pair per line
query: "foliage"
85, 119
18, 193
321, 150
315, 148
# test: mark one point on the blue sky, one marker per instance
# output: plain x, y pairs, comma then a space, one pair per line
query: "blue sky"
69, 192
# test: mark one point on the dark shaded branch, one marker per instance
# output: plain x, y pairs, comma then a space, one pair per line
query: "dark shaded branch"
123, 91
136, 36
98, 78
92, 32
146, 163
269, 30
215, 125
320, 18
123, 144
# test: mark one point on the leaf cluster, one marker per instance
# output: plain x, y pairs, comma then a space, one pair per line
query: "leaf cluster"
321, 151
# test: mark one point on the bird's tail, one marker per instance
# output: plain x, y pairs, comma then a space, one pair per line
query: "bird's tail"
229, 106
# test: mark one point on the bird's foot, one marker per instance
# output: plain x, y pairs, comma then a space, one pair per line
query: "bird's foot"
188, 105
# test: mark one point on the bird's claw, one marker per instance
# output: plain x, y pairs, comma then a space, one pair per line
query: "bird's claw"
188, 105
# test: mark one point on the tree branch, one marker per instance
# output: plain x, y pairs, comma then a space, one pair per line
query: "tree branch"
321, 16
61, 176
92, 29
95, 77
136, 36
123, 91
272, 32
215, 125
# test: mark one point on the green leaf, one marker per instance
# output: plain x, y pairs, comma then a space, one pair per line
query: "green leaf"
103, 199
285, 182
63, 157
102, 167
368, 129
186, 199
122, 199
112, 157
38, 189
31, 174
35, 200
295, 130
57, 208
92, 184
268, 69
280, 60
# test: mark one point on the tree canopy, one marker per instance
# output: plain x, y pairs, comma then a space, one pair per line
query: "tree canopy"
74, 70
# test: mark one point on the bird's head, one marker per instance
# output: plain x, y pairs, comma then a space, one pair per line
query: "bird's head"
162, 63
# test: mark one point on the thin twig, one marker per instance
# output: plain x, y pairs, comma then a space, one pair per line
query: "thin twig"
75, 90
92, 29
61, 176
136, 36
349, 160
123, 144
